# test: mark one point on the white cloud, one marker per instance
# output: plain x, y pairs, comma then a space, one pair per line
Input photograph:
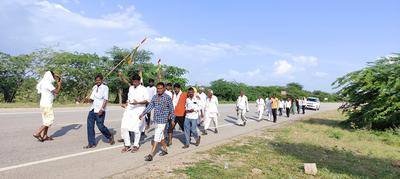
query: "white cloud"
69, 1
120, 6
42, 23
282, 67
320, 74
306, 60
37, 24
163, 39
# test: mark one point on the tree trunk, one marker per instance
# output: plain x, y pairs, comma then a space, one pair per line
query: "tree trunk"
120, 91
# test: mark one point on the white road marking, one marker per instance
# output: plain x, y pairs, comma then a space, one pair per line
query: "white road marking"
56, 158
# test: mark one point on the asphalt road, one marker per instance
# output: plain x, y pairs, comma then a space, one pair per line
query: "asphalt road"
22, 156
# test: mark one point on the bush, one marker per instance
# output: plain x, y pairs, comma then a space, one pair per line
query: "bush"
372, 95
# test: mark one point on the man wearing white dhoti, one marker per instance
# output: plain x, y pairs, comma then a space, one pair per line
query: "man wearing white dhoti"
260, 107
211, 112
138, 97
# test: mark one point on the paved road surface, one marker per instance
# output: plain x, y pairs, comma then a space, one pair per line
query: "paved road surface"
22, 156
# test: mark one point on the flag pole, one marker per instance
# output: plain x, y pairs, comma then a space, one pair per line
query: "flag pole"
159, 69
133, 52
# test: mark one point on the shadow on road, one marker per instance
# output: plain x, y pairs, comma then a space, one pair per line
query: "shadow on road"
64, 130
105, 140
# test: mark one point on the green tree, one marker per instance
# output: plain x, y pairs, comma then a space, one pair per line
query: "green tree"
372, 95
295, 86
77, 71
13, 70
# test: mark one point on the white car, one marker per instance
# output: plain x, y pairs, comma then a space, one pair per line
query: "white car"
313, 103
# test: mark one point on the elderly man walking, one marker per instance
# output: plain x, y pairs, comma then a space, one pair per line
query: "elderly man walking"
242, 106
48, 92
211, 112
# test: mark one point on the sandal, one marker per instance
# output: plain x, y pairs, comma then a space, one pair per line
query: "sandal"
148, 158
134, 149
47, 138
125, 149
163, 152
89, 146
38, 137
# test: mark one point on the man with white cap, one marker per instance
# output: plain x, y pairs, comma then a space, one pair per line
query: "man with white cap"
48, 92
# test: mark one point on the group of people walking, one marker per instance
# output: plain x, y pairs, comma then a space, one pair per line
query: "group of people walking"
271, 106
168, 104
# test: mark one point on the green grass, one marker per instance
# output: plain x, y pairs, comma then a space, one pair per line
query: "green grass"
280, 153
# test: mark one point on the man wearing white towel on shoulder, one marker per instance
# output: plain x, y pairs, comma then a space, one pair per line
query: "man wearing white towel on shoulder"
48, 92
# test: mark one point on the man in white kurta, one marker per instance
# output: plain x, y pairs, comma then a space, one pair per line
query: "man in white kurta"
260, 107
137, 99
211, 112
242, 106
203, 98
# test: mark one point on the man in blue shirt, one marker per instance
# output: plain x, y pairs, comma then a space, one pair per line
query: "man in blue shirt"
163, 112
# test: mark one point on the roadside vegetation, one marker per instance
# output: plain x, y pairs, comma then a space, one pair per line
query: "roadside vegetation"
372, 95
338, 151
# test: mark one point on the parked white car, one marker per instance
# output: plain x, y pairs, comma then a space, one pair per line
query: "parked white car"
313, 103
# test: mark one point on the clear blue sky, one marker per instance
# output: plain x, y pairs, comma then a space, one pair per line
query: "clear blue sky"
256, 42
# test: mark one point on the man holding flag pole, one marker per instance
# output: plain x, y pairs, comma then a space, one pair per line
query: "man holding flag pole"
130, 59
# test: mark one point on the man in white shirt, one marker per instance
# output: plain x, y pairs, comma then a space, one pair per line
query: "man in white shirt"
193, 109
211, 112
260, 107
138, 97
288, 106
242, 106
99, 99
152, 90
203, 98
48, 92
281, 105
168, 90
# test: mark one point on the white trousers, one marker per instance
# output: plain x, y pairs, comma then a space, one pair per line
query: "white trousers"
127, 138
260, 113
208, 120
269, 114
241, 113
